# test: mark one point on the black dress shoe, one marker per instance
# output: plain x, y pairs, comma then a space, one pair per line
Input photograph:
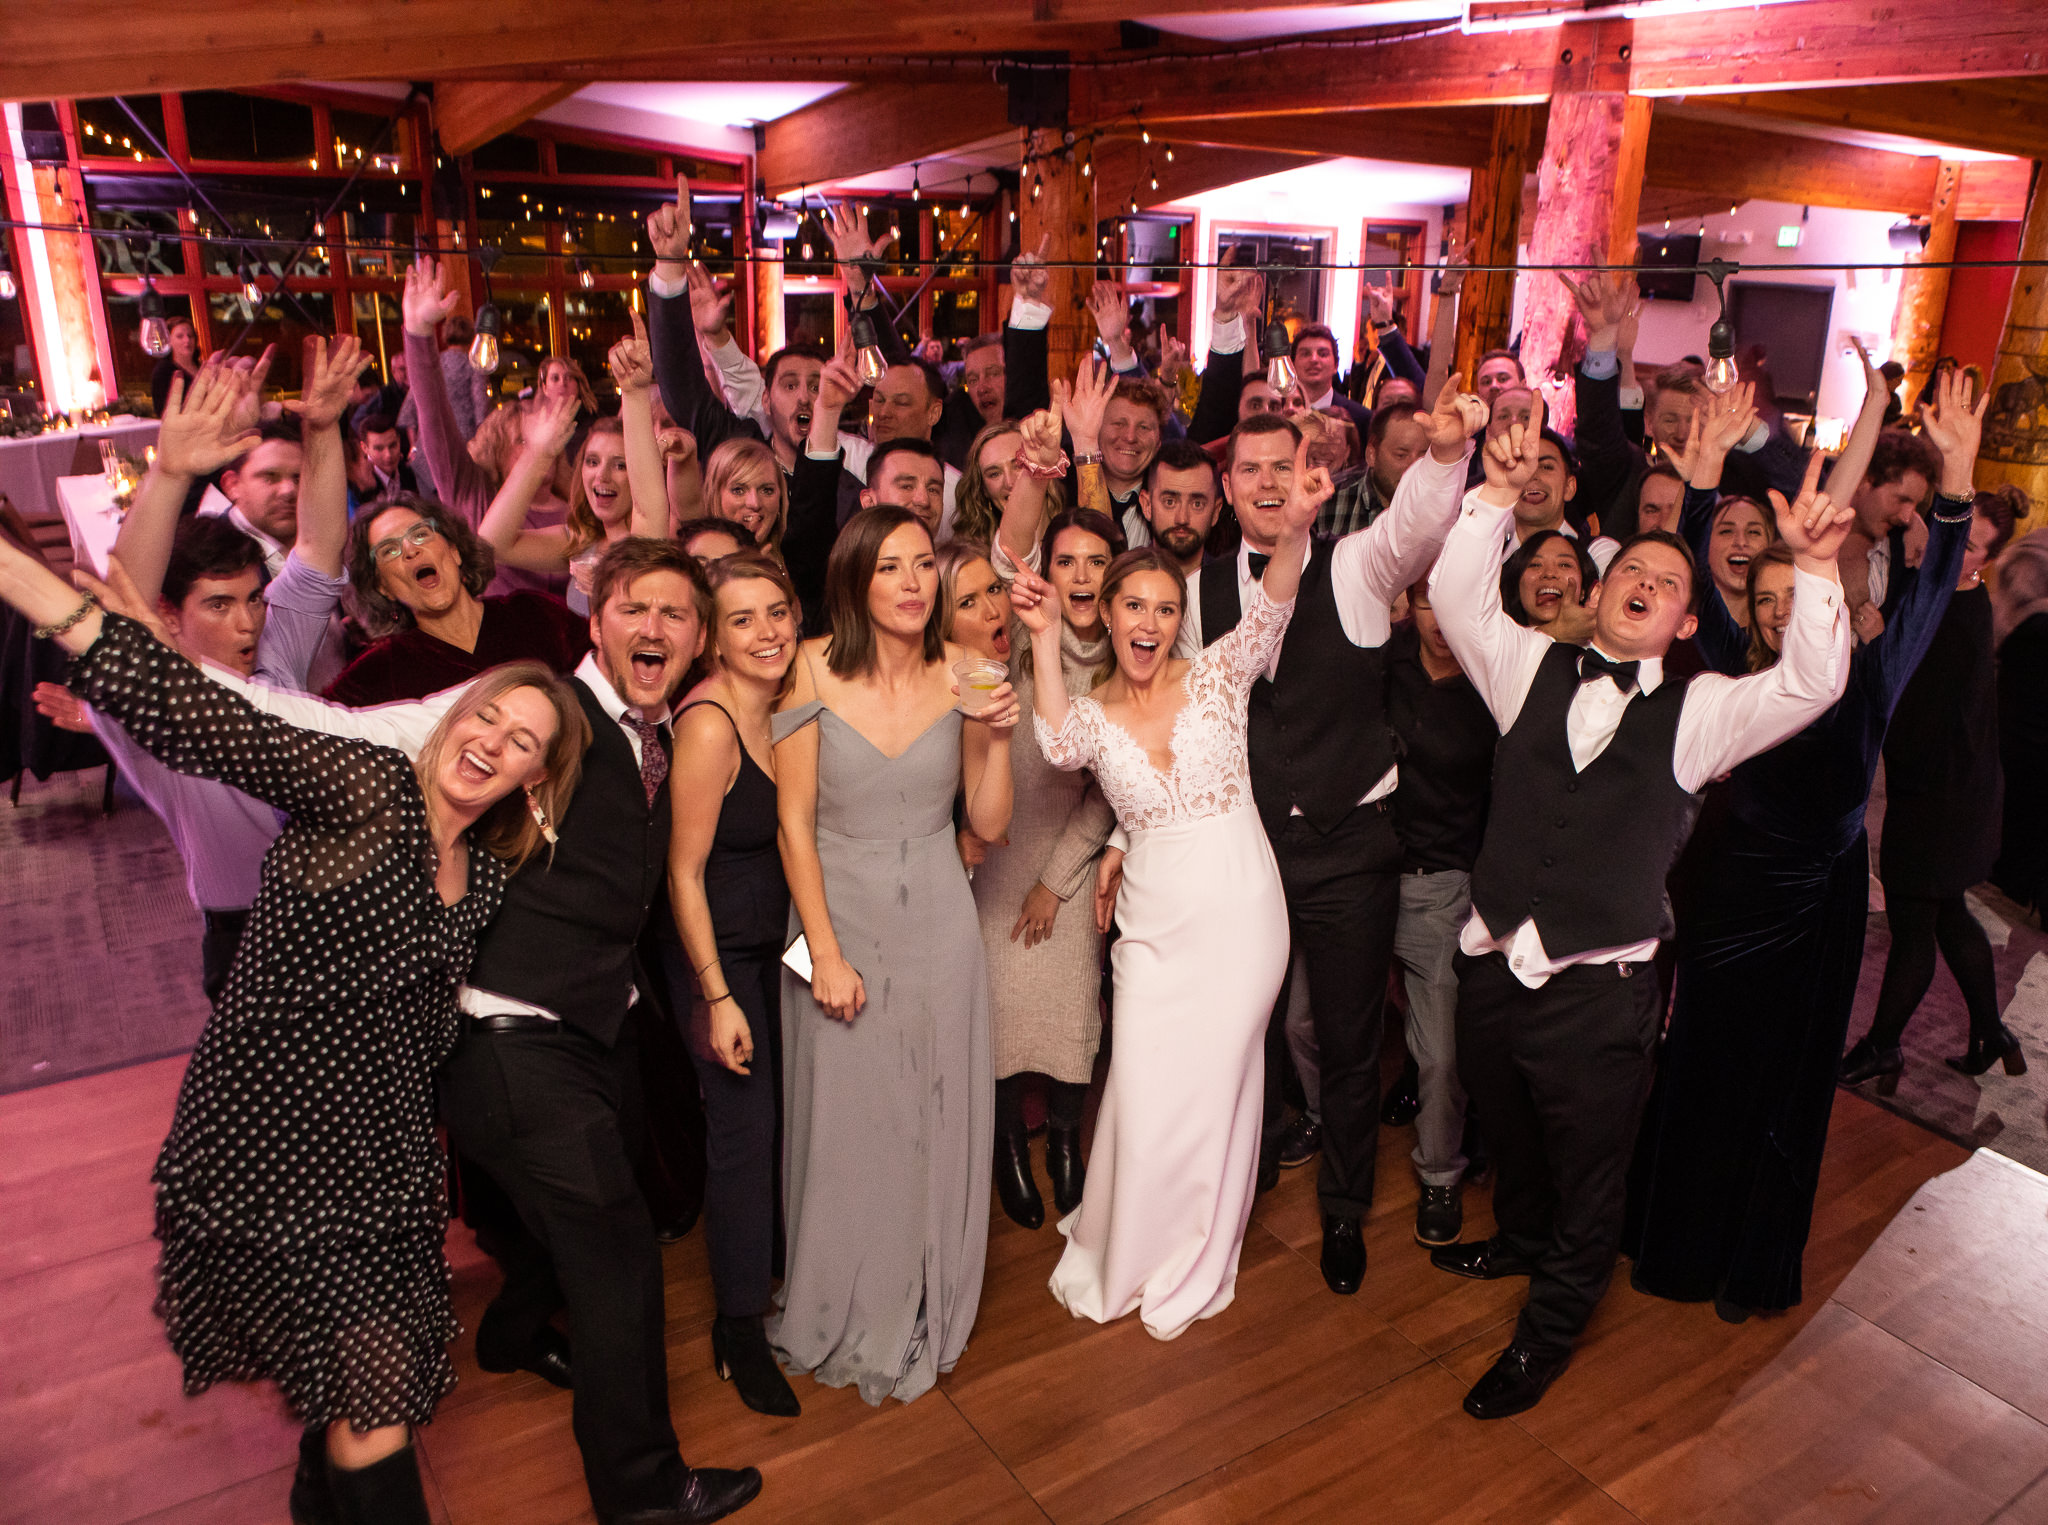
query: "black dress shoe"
708, 1493
1015, 1184
1439, 1216
1480, 1260
2002, 1049
740, 1355
1343, 1255
1404, 1101
1269, 1171
548, 1358
673, 1229
1866, 1061
312, 1498
1063, 1165
1302, 1142
1515, 1383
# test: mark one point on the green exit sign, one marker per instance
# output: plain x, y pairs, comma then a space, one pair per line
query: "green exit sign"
1788, 236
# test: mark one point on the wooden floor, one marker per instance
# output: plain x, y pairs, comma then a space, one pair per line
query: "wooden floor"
1920, 1393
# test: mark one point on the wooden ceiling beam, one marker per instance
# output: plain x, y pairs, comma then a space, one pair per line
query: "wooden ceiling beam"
2000, 116
1124, 170
469, 113
871, 127
1460, 136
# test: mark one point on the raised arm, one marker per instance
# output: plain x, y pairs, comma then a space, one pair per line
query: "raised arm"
331, 369
632, 366
1498, 655
205, 426
1238, 295
1401, 361
1041, 460
1036, 606
672, 327
1112, 315
1718, 425
812, 521
1853, 464
1443, 330
1379, 561
1027, 385
1607, 460
425, 304
544, 432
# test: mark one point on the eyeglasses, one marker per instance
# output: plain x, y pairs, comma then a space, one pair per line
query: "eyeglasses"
392, 549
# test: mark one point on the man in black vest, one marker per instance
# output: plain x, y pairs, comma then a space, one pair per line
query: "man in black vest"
1595, 788
1322, 765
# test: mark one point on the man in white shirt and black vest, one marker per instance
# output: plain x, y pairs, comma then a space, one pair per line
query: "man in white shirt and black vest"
1597, 783
1322, 766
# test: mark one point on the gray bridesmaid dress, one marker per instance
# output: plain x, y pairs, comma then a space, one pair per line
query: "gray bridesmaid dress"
889, 1120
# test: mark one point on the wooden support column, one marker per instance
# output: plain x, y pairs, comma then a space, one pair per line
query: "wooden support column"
2015, 447
1588, 187
769, 328
1923, 293
1064, 215
1493, 222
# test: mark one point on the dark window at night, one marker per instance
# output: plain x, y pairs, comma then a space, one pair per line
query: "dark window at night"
580, 159
247, 128
104, 128
508, 153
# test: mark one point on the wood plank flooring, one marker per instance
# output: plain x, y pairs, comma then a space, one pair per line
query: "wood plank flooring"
1909, 1388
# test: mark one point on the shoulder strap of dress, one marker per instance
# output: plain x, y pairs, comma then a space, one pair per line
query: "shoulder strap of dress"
697, 704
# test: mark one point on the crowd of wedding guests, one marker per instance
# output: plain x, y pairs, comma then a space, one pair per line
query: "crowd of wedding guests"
645, 795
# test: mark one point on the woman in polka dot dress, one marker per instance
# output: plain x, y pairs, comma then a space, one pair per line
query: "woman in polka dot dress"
300, 1195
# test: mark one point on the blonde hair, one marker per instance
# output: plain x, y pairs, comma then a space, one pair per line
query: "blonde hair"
733, 461
508, 830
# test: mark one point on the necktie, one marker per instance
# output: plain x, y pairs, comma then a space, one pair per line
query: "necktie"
1258, 562
653, 760
1592, 665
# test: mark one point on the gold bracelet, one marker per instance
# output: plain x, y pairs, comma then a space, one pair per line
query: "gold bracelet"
44, 632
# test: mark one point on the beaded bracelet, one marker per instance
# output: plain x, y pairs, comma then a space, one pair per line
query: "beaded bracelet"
1040, 473
1968, 506
44, 632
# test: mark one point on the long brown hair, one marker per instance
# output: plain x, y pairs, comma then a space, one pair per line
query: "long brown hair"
977, 515
849, 573
585, 528
751, 566
508, 830
1776, 554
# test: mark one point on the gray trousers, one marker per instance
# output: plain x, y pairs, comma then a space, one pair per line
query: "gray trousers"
1433, 911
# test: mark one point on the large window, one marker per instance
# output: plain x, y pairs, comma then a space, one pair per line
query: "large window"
1294, 291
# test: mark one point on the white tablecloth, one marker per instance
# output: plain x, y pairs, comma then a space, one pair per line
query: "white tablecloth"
29, 467
88, 507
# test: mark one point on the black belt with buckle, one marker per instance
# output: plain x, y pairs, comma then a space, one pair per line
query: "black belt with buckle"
509, 1022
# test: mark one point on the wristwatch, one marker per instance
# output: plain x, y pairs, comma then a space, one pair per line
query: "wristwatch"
1088, 458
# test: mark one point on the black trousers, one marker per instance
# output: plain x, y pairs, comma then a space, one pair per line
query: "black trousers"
742, 1129
217, 947
1343, 899
1557, 1077
554, 1117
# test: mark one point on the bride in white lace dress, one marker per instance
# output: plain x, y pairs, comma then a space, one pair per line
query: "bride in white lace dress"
1204, 923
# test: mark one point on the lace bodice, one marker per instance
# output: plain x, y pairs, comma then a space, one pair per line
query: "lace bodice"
1210, 774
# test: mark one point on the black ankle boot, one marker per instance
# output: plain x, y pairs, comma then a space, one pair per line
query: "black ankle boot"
740, 1353
2002, 1049
1015, 1184
386, 1492
1063, 1165
312, 1500
1866, 1061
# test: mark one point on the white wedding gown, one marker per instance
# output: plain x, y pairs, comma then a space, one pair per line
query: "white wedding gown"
1203, 951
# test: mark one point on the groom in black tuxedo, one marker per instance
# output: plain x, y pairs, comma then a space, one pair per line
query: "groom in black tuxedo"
1323, 770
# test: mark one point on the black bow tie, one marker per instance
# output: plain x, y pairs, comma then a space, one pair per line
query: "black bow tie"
1592, 665
1258, 562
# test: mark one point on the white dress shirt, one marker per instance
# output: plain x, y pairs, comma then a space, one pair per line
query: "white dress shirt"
1724, 720
213, 504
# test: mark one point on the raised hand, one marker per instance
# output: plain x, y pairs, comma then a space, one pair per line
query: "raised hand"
1033, 602
1379, 303
668, 227
838, 384
1041, 432
1237, 293
1094, 385
848, 232
249, 376
1456, 417
1512, 455
1955, 428
119, 595
1112, 317
1029, 278
1729, 418
1812, 525
198, 434
546, 426
1604, 300
1451, 278
676, 444
1173, 359
332, 366
632, 359
710, 310
1307, 492
426, 300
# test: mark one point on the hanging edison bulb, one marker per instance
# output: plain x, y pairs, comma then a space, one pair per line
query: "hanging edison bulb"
252, 293
916, 191
8, 290
1275, 350
156, 333
868, 359
483, 349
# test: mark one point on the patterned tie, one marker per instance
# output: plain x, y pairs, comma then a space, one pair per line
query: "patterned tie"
1258, 562
653, 760
1592, 665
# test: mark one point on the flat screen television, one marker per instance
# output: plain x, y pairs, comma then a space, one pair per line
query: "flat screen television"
1664, 264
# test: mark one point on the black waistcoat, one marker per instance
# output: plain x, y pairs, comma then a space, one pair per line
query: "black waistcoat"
1318, 731
564, 938
1586, 853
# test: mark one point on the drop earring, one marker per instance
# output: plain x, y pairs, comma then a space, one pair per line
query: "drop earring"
540, 817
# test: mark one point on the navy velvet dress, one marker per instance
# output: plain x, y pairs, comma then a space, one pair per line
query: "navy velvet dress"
1721, 1189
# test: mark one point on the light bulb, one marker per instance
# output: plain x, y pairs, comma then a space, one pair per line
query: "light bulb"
155, 337
1277, 352
1722, 374
585, 276
8, 290
483, 349
1280, 374
868, 359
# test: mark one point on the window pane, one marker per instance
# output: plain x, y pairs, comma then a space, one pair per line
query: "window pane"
524, 243
380, 243
604, 241
104, 128
132, 366
807, 319
375, 310
151, 248
265, 244
276, 321
222, 125
513, 153
956, 315
524, 343
355, 132
951, 231
596, 321
581, 159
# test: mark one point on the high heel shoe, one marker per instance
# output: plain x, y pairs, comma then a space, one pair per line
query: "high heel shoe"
1866, 1061
740, 1355
1015, 1184
1063, 1164
1981, 1056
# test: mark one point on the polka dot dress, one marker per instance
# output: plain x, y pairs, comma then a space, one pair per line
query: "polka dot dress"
301, 1196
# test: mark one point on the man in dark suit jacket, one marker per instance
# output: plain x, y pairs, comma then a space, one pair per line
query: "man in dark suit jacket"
1315, 362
